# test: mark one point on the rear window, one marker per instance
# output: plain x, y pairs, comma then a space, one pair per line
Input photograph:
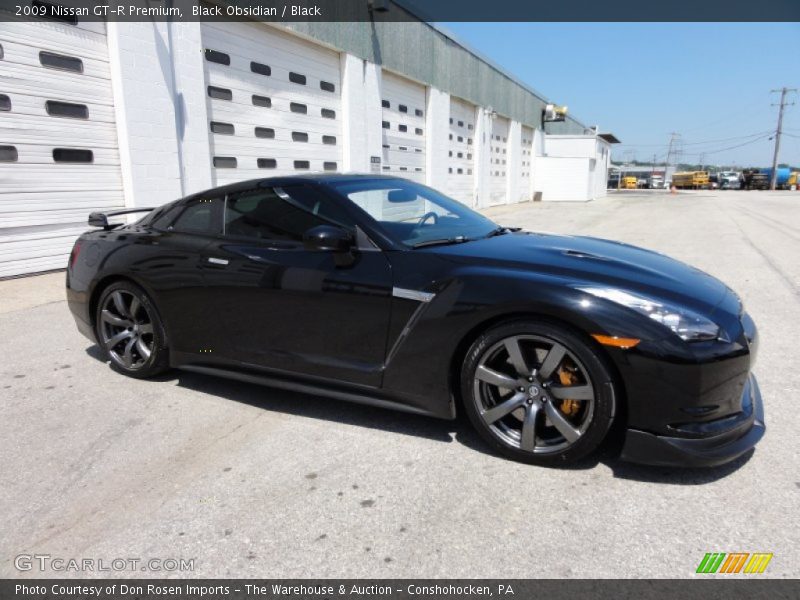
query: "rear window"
164, 217
201, 216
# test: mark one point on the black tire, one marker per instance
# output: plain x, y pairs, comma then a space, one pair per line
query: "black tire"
578, 352
146, 331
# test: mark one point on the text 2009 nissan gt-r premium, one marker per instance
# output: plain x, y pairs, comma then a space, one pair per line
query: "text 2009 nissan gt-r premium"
383, 291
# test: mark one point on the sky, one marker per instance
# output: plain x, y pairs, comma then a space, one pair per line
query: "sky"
708, 82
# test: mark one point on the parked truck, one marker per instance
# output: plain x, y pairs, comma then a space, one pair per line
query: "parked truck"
729, 180
690, 180
755, 179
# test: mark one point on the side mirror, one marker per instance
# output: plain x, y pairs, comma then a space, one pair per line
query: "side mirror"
328, 238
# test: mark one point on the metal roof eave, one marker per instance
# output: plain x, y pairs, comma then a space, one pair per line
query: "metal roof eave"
420, 14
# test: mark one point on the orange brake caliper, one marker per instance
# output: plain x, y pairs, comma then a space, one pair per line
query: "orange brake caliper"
567, 406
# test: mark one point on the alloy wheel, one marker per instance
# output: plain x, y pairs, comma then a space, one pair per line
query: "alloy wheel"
534, 394
127, 330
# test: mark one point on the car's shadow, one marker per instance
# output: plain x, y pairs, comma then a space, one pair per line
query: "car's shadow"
316, 407
676, 475
460, 430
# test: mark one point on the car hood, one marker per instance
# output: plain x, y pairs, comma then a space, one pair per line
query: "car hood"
594, 261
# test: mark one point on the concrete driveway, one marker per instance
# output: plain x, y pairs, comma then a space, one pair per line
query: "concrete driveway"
249, 481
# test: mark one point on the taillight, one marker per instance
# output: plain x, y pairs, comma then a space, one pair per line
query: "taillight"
73, 256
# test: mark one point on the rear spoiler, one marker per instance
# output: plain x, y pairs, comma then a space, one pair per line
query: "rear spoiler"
100, 219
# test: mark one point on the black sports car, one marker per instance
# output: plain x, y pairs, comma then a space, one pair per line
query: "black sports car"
383, 291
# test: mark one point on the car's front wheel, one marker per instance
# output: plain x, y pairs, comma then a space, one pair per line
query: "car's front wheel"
538, 392
129, 331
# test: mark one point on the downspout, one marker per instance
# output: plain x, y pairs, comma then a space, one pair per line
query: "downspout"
177, 99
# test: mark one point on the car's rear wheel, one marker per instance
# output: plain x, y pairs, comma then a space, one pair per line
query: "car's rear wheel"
129, 331
538, 392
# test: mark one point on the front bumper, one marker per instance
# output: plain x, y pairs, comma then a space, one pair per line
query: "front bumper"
708, 451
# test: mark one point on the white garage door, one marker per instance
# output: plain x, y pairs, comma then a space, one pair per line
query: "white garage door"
525, 165
58, 140
460, 178
499, 159
274, 102
403, 104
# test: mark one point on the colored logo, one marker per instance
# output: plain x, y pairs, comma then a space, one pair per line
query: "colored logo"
734, 562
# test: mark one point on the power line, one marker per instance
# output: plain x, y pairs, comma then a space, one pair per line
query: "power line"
738, 137
763, 137
675, 143
745, 109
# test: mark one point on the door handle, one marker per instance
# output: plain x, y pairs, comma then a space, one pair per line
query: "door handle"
217, 261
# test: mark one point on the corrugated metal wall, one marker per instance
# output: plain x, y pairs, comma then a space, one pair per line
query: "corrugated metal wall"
421, 52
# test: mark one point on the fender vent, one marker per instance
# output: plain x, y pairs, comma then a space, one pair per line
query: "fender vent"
579, 254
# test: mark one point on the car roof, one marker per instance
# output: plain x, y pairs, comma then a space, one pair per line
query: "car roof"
320, 178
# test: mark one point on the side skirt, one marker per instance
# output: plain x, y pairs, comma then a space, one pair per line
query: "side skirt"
307, 388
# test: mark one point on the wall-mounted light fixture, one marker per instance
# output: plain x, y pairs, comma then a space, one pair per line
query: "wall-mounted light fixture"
552, 113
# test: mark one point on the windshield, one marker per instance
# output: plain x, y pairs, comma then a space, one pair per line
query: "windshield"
415, 214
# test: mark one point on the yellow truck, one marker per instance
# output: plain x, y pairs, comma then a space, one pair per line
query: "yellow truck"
691, 180
628, 183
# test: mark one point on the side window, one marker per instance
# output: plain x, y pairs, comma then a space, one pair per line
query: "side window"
201, 215
275, 214
317, 204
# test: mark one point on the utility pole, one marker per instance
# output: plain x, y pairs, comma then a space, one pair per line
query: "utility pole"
672, 139
784, 90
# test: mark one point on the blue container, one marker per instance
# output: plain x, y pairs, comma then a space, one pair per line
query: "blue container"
783, 174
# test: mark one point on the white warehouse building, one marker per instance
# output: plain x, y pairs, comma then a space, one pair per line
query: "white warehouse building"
98, 116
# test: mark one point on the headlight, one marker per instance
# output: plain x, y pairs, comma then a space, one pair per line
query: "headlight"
685, 323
